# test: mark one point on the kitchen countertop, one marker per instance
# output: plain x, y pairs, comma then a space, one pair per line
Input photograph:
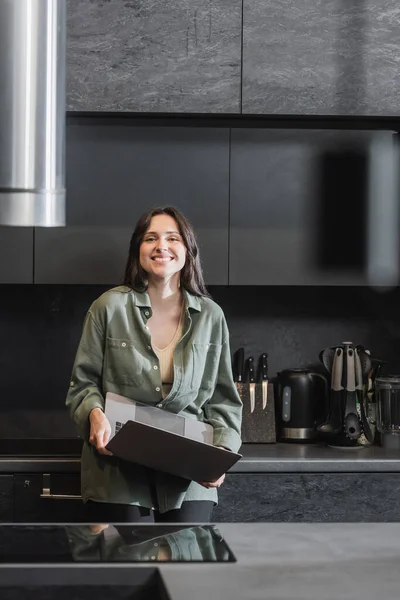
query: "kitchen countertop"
304, 561
315, 458
257, 458
283, 561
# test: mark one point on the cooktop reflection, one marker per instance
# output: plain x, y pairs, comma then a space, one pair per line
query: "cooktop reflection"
56, 544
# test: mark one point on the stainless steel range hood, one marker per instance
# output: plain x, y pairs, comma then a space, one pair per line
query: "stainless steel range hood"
32, 112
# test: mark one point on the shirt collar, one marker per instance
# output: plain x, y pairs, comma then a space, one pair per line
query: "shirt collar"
142, 300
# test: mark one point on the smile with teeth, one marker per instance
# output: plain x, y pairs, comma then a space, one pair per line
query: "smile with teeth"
162, 258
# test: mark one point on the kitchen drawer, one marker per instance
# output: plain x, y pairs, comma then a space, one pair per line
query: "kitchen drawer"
48, 498
6, 498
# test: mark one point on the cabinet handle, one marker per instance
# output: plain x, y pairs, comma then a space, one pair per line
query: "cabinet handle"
46, 492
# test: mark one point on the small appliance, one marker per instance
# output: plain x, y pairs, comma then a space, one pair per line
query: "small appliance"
302, 400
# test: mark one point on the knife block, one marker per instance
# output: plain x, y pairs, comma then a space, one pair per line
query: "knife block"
258, 427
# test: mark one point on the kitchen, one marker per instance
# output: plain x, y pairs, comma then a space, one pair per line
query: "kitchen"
260, 163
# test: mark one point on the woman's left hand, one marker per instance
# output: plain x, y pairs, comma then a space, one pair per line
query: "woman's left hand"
213, 484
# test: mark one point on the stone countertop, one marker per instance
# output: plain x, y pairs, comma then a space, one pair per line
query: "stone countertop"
303, 561
257, 458
281, 561
315, 458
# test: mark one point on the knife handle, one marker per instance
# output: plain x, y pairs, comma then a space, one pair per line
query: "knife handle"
239, 364
264, 367
250, 366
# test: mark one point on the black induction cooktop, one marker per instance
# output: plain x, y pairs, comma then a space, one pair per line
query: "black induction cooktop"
111, 543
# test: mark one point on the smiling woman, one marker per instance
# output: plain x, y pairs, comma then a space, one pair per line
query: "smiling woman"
158, 339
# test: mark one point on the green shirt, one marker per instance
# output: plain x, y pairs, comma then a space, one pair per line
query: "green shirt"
115, 355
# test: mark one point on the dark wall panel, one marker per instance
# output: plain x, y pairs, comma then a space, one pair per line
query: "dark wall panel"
117, 172
40, 327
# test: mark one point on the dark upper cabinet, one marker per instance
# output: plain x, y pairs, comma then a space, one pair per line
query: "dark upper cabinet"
16, 251
331, 58
6, 498
297, 207
154, 56
117, 172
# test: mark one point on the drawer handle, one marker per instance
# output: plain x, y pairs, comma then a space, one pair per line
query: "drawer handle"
46, 492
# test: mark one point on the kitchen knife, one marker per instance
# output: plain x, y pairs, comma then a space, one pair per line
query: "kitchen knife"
263, 378
239, 365
252, 383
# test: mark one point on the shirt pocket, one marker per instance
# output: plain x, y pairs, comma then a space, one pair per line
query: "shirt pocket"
124, 364
205, 363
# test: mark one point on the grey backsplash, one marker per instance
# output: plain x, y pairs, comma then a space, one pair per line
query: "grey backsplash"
40, 327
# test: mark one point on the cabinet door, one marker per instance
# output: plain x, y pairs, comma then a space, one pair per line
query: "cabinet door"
6, 498
310, 498
16, 251
328, 58
40, 498
154, 56
296, 207
117, 172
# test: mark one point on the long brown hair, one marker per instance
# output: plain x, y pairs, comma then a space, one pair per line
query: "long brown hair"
192, 278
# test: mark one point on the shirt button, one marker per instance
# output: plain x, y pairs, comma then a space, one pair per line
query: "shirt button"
146, 313
158, 405
123, 344
157, 389
155, 544
72, 384
153, 558
155, 367
149, 347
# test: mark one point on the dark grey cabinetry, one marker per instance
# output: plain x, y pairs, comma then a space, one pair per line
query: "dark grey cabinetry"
6, 498
16, 250
322, 497
117, 172
48, 498
332, 58
282, 185
154, 56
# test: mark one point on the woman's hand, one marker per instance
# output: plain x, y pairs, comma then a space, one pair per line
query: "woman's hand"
218, 482
100, 431
213, 484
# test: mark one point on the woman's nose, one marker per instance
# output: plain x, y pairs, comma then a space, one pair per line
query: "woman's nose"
161, 245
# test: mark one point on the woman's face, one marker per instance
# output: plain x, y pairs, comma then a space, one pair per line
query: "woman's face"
162, 251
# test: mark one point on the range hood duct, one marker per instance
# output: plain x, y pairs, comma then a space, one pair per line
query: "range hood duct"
32, 112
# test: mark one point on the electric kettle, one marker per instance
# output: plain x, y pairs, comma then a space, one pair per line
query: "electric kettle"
301, 403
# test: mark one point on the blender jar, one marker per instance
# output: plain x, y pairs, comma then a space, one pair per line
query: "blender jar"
387, 393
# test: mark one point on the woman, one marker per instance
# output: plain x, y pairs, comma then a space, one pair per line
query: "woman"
160, 340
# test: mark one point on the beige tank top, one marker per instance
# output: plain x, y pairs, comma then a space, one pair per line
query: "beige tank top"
166, 358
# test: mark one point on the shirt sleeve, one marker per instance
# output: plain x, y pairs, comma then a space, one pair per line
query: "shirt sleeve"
224, 409
85, 387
